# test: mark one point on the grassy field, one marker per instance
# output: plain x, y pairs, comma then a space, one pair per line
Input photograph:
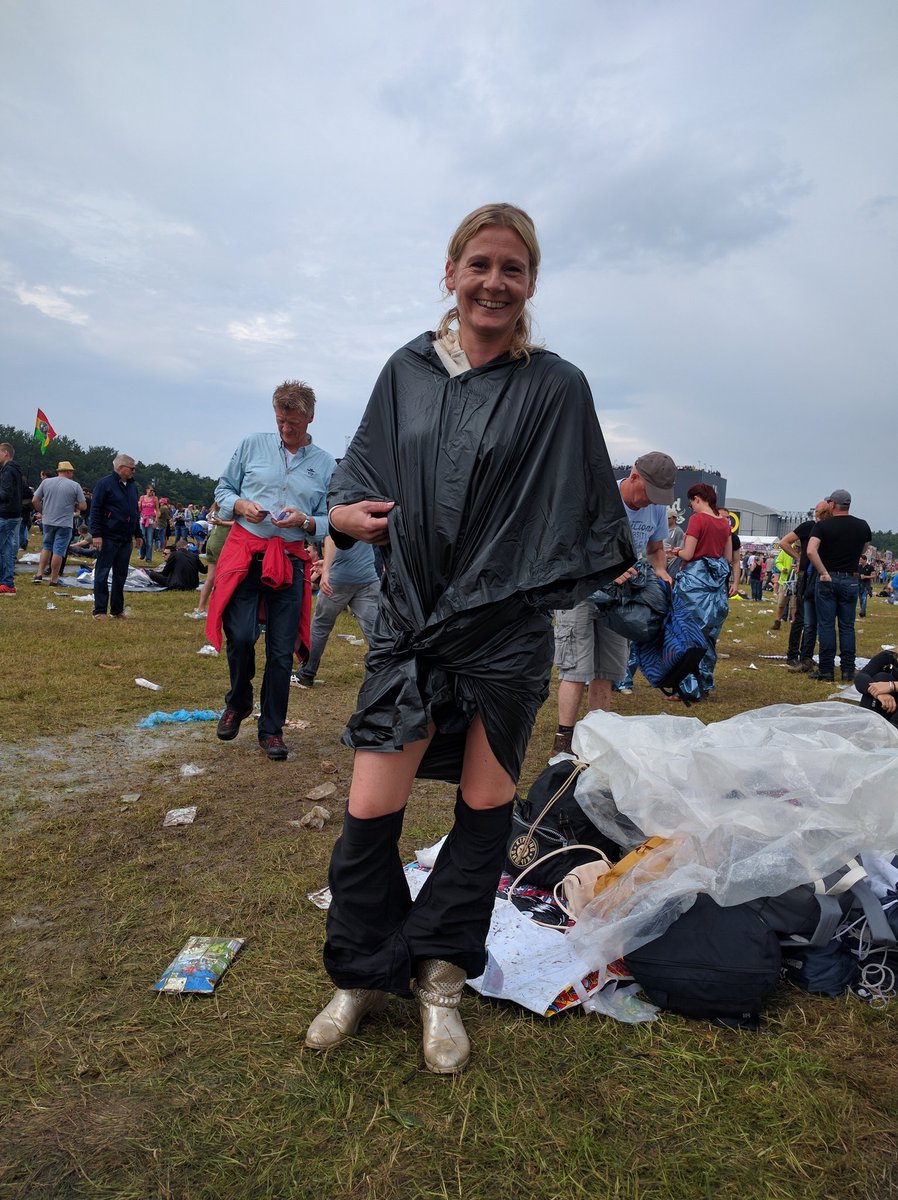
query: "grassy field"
110, 1090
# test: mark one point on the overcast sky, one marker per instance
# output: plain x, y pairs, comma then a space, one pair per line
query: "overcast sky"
198, 200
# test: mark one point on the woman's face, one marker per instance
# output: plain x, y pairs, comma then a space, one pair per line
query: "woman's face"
492, 282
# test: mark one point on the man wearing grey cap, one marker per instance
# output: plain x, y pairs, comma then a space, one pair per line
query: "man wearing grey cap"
587, 654
834, 549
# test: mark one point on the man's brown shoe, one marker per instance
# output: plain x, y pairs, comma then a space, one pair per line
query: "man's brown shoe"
273, 745
229, 724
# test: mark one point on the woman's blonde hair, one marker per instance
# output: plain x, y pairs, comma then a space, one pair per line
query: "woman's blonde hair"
507, 216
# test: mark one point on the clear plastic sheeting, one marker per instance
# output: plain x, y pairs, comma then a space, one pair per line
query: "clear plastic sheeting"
755, 805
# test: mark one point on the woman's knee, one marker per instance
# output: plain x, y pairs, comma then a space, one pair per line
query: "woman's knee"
484, 781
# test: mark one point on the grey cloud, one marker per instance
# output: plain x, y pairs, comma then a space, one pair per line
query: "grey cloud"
682, 204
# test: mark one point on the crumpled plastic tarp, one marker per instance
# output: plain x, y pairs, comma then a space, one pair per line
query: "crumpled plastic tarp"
758, 804
136, 581
505, 508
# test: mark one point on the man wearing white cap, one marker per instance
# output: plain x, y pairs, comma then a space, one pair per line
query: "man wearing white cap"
834, 548
587, 654
57, 500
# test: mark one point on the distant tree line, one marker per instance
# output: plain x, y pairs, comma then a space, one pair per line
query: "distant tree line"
96, 461
885, 541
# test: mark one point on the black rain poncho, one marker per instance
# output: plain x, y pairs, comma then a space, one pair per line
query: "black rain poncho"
506, 508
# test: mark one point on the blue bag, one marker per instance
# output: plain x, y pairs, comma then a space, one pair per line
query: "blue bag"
667, 661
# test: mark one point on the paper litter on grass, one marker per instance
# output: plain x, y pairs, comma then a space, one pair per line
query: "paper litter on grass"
321, 792
188, 770
199, 965
315, 818
321, 898
145, 683
180, 816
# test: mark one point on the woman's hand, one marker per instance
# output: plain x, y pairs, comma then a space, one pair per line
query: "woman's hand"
366, 520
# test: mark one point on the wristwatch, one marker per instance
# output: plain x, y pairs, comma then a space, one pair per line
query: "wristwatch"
307, 523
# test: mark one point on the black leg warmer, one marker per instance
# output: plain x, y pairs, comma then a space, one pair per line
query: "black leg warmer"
451, 916
370, 899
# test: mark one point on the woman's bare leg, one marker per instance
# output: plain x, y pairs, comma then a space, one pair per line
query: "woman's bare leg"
381, 783
203, 603
484, 781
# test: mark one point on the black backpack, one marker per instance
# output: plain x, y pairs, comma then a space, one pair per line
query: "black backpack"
715, 964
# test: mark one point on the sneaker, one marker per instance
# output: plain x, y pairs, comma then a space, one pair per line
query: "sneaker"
273, 745
6, 591
38, 579
229, 724
301, 681
822, 678
100, 616
625, 691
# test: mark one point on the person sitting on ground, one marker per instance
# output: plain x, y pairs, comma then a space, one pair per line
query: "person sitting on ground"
181, 570
877, 683
83, 546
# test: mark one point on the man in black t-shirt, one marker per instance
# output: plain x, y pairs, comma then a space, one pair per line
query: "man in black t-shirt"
834, 548
803, 634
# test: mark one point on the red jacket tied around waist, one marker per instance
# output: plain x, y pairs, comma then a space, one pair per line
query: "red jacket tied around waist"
277, 572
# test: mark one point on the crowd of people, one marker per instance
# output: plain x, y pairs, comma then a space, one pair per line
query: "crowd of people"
72, 520
472, 518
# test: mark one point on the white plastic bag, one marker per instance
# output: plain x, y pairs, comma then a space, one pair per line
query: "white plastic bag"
760, 803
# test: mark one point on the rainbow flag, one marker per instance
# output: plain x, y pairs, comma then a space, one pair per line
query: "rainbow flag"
43, 431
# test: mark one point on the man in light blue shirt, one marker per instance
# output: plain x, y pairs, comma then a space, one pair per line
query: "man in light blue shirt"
275, 486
